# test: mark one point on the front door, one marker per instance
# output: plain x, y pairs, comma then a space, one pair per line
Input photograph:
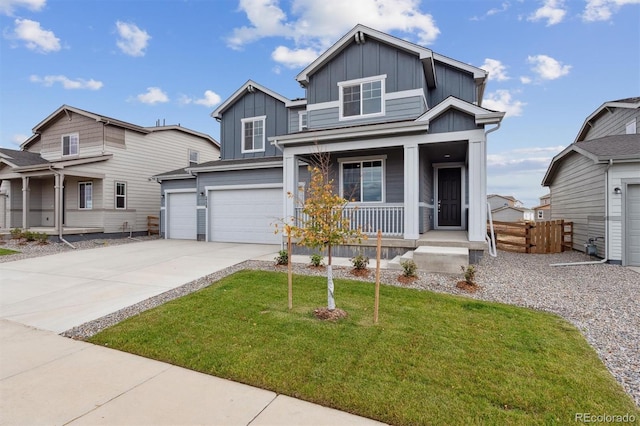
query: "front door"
449, 196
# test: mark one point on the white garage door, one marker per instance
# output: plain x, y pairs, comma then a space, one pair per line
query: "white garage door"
245, 215
633, 225
181, 216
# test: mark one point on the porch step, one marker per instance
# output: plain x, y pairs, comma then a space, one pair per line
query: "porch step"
396, 262
446, 260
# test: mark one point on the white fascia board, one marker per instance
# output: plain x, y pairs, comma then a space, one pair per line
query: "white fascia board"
482, 115
174, 177
239, 166
295, 103
217, 113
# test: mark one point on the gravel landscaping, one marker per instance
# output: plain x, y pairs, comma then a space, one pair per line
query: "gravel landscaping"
601, 300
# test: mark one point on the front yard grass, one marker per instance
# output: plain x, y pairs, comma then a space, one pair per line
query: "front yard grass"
432, 359
6, 252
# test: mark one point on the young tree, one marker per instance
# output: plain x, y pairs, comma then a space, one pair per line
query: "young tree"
323, 223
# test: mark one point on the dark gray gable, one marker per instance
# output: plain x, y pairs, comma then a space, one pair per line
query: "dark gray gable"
21, 158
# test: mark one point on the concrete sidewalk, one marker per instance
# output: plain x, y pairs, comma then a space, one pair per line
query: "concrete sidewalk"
52, 380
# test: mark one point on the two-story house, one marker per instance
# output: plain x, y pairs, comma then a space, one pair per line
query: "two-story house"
543, 210
405, 131
85, 173
595, 182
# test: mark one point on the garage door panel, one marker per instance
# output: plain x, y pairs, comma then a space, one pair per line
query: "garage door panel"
633, 225
245, 215
181, 216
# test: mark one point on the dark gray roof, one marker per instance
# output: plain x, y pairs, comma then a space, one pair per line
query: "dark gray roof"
177, 172
22, 158
614, 146
628, 100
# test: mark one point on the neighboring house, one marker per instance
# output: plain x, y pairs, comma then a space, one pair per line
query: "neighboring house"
542, 211
512, 214
497, 201
85, 173
595, 182
404, 127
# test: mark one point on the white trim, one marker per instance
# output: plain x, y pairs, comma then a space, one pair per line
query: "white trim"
353, 160
300, 115
70, 135
236, 166
116, 196
165, 218
201, 207
463, 191
323, 105
244, 186
360, 81
197, 153
262, 118
249, 86
89, 182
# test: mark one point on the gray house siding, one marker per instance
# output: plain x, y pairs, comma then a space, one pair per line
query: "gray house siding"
577, 195
252, 105
613, 123
452, 82
452, 121
294, 119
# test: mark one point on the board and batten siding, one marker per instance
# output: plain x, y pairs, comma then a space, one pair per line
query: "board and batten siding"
619, 173
613, 123
453, 121
577, 195
452, 82
254, 104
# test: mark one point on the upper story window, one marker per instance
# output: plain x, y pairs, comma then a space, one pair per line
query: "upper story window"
253, 134
540, 214
630, 128
362, 98
85, 195
362, 180
302, 120
70, 144
194, 158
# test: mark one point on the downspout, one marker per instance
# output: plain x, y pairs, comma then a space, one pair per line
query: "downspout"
606, 227
60, 213
491, 240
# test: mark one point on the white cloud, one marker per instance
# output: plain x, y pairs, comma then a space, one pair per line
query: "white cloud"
67, 83
18, 139
133, 41
8, 6
602, 10
548, 68
314, 25
497, 71
154, 95
525, 79
553, 11
210, 99
501, 100
294, 58
36, 38
496, 10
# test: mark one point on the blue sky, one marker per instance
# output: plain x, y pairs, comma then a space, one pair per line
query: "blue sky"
551, 62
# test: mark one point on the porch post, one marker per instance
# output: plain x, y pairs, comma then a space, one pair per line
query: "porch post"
411, 191
56, 201
290, 177
25, 202
477, 227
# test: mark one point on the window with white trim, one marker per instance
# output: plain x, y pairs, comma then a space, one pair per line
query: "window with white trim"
194, 158
121, 195
253, 134
540, 214
630, 128
362, 98
302, 120
70, 144
362, 181
85, 195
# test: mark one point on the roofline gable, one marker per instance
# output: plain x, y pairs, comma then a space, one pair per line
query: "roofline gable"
555, 161
481, 115
623, 103
247, 87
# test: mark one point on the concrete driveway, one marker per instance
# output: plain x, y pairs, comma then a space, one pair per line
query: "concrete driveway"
61, 291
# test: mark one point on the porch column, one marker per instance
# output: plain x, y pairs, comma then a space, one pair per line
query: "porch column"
57, 190
411, 191
25, 202
290, 163
477, 227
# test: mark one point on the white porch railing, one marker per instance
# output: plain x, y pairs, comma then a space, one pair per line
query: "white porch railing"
388, 218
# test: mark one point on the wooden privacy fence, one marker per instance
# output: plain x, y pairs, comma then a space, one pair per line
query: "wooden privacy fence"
153, 225
552, 236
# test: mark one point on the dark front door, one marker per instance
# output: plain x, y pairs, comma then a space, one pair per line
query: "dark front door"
449, 196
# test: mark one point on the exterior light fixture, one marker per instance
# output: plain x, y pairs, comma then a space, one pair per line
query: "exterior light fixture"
617, 190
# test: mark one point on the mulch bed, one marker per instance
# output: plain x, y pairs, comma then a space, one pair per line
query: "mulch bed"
470, 287
363, 273
326, 314
406, 280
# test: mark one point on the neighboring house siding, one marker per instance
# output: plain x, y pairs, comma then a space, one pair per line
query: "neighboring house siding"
255, 104
507, 215
452, 82
613, 123
90, 136
496, 202
452, 121
618, 172
577, 195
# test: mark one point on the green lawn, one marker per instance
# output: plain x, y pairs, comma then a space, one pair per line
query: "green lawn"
6, 252
432, 359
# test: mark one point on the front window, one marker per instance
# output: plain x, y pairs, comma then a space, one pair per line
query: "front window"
302, 120
362, 181
70, 144
364, 97
85, 195
253, 134
121, 195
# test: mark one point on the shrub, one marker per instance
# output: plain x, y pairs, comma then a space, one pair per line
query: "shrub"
316, 259
409, 268
16, 233
29, 236
360, 261
469, 274
41, 237
282, 258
